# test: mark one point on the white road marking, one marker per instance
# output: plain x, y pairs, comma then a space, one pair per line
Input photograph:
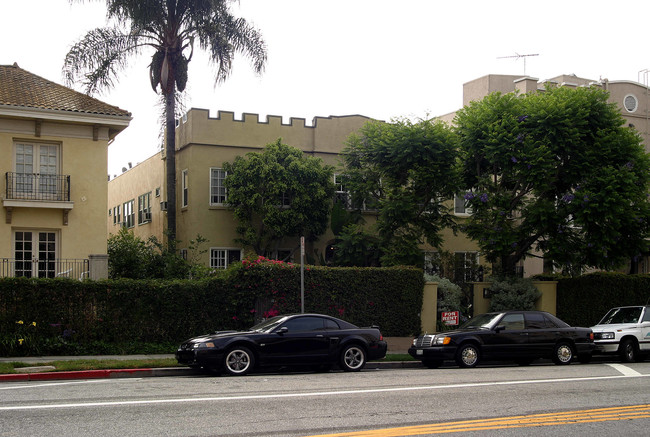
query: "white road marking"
314, 394
625, 370
16, 387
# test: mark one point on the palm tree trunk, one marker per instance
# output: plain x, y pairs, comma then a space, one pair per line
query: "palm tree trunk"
170, 154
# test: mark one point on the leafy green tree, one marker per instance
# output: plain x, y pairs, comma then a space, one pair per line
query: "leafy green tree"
406, 172
557, 172
167, 30
276, 193
513, 294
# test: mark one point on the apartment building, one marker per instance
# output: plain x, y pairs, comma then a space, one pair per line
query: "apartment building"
54, 191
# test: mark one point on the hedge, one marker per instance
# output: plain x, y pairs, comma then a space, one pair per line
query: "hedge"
52, 316
584, 300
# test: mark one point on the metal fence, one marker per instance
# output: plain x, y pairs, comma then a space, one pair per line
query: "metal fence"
35, 186
48, 268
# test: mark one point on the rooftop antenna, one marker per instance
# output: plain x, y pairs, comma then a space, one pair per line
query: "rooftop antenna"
517, 56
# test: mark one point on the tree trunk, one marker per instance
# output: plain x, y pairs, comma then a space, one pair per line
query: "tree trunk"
170, 155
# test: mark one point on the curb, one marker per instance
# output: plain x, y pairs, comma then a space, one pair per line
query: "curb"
156, 372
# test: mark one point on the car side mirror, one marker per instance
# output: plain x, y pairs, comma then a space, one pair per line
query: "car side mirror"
500, 328
283, 330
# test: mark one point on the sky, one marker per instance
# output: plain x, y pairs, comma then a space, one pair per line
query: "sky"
378, 58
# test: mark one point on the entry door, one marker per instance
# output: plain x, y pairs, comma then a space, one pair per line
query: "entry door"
35, 254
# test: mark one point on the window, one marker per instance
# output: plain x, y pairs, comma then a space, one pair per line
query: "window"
129, 214
432, 263
184, 187
304, 324
217, 189
183, 253
116, 215
144, 208
280, 255
36, 167
222, 258
461, 205
467, 266
157, 191
512, 321
341, 195
35, 254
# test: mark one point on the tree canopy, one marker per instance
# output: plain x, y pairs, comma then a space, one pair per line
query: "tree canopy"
167, 31
554, 172
405, 171
276, 193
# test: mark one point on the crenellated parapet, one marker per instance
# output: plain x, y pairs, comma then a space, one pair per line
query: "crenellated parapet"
324, 135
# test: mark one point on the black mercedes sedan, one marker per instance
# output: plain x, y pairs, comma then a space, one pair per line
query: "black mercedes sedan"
314, 340
519, 336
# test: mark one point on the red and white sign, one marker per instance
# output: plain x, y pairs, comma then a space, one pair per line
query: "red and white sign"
450, 317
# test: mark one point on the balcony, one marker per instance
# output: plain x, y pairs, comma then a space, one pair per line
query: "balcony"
35, 190
47, 268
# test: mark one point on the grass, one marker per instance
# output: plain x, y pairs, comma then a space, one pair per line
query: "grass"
74, 365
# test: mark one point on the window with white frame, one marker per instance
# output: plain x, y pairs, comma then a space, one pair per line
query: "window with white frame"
467, 266
217, 188
461, 205
36, 166
144, 208
129, 213
341, 195
184, 188
221, 258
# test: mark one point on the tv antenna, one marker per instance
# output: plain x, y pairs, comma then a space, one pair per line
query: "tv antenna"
518, 56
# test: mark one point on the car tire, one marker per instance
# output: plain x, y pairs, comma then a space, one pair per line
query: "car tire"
432, 364
627, 350
239, 361
563, 353
468, 355
353, 358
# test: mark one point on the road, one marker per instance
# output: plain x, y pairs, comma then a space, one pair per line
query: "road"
500, 400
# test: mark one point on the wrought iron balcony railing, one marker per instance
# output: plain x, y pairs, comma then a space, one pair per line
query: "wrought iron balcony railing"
36, 186
45, 268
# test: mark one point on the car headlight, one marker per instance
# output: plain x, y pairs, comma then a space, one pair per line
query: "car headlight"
206, 344
607, 336
442, 340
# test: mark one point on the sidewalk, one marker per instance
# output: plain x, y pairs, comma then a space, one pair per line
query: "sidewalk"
396, 345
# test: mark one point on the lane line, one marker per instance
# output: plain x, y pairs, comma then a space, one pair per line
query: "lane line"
534, 420
625, 370
313, 394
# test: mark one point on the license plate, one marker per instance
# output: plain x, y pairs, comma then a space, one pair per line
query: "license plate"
419, 352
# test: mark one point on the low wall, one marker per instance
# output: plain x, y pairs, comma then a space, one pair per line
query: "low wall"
547, 302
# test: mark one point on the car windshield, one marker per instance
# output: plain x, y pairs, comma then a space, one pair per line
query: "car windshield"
621, 315
481, 321
268, 324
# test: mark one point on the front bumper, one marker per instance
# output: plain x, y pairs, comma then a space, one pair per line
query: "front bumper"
606, 347
202, 357
438, 353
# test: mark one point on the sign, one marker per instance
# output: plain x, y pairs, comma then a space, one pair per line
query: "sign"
450, 317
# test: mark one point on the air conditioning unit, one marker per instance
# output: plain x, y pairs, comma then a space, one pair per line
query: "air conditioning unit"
163, 205
146, 216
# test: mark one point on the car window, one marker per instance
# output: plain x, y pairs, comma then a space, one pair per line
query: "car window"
622, 315
554, 323
646, 316
536, 321
512, 321
331, 324
302, 324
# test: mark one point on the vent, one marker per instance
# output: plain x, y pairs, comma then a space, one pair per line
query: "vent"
630, 103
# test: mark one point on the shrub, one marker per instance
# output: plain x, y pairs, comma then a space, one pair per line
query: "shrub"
513, 294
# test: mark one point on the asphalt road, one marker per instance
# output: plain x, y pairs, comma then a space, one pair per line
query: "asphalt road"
595, 399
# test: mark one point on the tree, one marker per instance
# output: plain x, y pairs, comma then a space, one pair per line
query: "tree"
556, 172
167, 29
406, 172
276, 193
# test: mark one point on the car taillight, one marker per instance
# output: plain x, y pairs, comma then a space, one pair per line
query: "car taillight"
381, 337
591, 336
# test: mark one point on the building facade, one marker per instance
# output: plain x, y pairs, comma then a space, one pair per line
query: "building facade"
54, 189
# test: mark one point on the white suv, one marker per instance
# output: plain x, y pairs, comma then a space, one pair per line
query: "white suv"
624, 331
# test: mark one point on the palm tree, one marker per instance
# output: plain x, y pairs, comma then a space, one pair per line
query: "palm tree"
167, 31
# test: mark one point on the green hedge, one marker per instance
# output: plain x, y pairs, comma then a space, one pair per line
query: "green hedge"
52, 316
584, 300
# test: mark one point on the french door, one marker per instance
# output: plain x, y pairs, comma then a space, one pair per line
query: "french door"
35, 254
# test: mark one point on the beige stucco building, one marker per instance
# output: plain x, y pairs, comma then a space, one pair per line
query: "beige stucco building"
54, 190
204, 143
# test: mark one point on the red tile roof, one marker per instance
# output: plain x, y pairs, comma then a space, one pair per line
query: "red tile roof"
21, 88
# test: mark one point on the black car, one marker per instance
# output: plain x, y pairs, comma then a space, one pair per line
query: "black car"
519, 336
313, 340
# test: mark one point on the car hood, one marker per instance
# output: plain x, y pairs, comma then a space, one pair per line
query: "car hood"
218, 335
458, 331
613, 327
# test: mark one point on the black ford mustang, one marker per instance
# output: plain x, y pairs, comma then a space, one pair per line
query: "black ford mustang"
519, 336
292, 340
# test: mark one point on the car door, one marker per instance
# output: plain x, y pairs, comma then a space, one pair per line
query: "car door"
508, 340
542, 334
299, 340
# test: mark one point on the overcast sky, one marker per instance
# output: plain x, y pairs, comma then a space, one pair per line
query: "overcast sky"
378, 58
